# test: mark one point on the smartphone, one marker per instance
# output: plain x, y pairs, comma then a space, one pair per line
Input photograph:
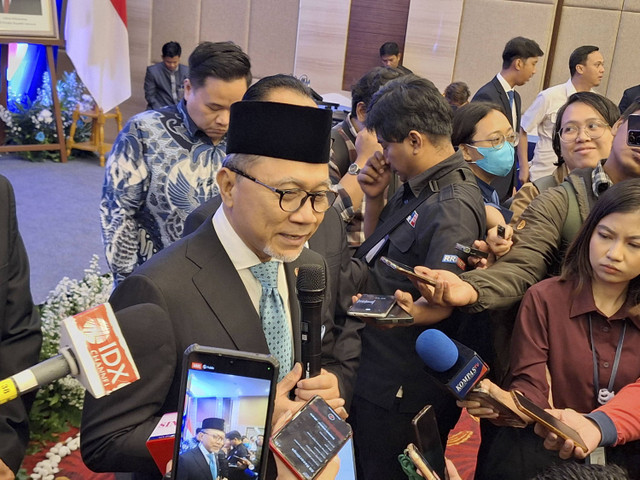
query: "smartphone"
221, 391
397, 314
501, 231
427, 439
471, 251
313, 436
369, 305
633, 130
407, 270
507, 418
421, 463
550, 422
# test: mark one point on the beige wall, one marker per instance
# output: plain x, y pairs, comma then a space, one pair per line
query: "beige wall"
446, 40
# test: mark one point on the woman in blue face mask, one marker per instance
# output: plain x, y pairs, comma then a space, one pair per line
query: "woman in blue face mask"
485, 137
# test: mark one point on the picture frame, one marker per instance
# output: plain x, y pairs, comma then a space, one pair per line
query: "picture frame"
28, 18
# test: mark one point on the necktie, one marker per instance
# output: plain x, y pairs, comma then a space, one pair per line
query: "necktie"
511, 95
212, 465
174, 91
273, 315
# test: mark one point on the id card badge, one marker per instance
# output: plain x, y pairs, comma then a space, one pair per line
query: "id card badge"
597, 457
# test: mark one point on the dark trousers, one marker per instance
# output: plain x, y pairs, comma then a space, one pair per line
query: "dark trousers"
380, 435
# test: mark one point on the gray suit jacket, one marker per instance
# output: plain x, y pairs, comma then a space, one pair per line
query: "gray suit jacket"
193, 466
196, 284
157, 85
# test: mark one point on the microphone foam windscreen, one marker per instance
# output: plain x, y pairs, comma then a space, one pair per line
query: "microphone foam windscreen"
311, 282
436, 350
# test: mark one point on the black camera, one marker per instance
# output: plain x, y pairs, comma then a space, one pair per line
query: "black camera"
633, 130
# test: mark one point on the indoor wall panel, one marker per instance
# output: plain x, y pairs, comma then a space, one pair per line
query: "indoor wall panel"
218, 22
483, 34
625, 64
321, 44
572, 34
372, 23
432, 39
272, 36
177, 21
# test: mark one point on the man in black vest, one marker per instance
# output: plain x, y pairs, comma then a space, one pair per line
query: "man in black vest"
439, 205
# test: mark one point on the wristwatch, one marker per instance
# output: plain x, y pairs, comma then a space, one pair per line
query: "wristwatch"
354, 169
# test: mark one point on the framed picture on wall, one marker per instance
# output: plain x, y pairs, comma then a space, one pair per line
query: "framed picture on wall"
28, 18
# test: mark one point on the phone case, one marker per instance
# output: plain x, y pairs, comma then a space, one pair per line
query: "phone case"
396, 315
507, 418
221, 369
550, 422
310, 414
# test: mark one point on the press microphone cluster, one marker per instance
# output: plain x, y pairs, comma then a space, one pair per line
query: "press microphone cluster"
310, 285
92, 349
454, 365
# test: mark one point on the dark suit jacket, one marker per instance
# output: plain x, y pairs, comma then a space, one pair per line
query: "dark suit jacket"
25, 7
193, 466
493, 92
629, 95
196, 284
157, 85
20, 336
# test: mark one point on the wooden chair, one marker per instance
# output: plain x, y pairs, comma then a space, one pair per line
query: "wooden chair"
96, 143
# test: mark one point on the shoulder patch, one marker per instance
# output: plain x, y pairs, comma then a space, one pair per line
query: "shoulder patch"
448, 258
521, 225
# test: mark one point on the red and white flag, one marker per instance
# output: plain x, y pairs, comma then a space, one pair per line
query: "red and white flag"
98, 45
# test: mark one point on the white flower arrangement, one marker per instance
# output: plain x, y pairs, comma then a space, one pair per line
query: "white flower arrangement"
32, 122
59, 404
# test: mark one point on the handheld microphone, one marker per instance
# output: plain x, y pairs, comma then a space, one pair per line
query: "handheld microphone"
311, 285
92, 348
457, 367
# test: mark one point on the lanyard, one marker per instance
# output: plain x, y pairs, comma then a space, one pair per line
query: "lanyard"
603, 395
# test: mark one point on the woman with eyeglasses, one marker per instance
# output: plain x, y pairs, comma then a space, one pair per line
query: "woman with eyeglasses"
582, 137
484, 136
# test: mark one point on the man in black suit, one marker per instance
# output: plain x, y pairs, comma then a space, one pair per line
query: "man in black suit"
440, 204
274, 187
163, 82
346, 277
519, 59
628, 97
20, 336
202, 461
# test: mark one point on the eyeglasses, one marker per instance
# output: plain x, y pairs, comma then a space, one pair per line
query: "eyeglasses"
216, 437
594, 130
293, 200
499, 140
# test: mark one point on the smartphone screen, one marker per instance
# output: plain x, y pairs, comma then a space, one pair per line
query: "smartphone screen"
369, 305
311, 438
550, 422
428, 440
224, 392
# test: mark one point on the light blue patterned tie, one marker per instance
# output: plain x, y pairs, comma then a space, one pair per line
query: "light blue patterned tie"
274, 319
212, 465
511, 95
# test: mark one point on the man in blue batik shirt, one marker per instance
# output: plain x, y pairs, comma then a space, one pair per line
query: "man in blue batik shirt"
163, 163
